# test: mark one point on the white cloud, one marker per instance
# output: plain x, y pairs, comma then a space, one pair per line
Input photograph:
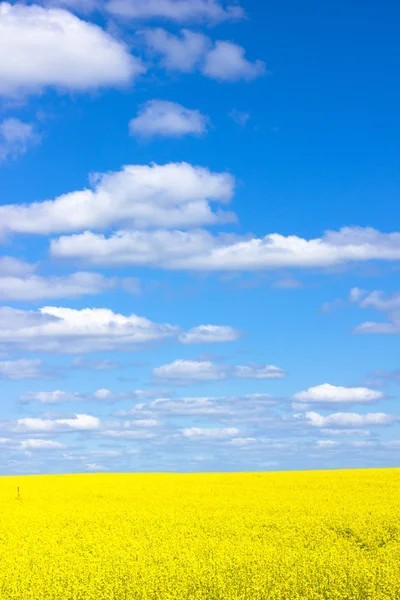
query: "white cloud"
190, 51
48, 47
245, 408
377, 300
392, 444
185, 406
226, 62
349, 419
242, 442
153, 248
18, 281
182, 53
356, 294
327, 444
176, 194
65, 330
332, 394
127, 434
255, 371
167, 119
24, 369
103, 395
210, 334
181, 11
274, 250
379, 328
346, 432
300, 406
41, 445
210, 433
189, 371
363, 444
143, 423
10, 265
16, 137
95, 467
37, 287
55, 397
201, 251
78, 423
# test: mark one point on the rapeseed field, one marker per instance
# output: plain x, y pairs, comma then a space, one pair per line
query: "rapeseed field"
257, 536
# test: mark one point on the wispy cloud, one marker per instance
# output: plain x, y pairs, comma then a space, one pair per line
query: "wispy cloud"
185, 372
16, 137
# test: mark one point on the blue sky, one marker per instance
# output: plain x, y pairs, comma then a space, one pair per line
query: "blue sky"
199, 232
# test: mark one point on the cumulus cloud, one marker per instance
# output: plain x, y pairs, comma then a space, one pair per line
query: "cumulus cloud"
25, 369
55, 397
332, 394
199, 250
16, 137
167, 119
178, 53
176, 194
189, 371
158, 248
226, 62
189, 51
349, 419
48, 47
66, 330
210, 334
182, 372
181, 11
9, 265
38, 287
18, 281
80, 422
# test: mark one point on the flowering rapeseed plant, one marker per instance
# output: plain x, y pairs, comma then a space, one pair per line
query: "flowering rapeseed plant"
257, 536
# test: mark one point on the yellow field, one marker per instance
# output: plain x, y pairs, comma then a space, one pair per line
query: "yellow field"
325, 535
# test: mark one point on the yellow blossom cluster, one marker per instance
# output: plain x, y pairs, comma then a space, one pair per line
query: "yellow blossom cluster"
331, 535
